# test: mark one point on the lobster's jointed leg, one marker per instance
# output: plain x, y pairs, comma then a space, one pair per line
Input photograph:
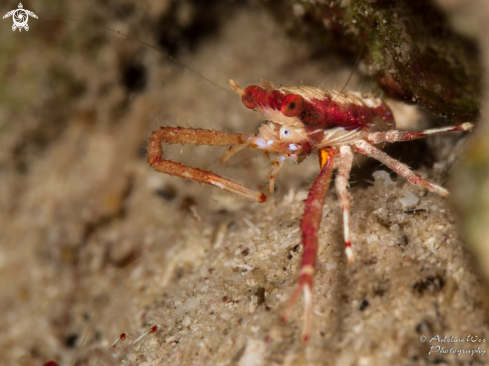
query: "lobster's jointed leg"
400, 168
310, 226
341, 184
395, 135
277, 164
178, 135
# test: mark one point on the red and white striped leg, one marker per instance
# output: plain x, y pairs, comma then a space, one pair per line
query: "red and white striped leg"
395, 135
341, 184
400, 168
310, 226
178, 135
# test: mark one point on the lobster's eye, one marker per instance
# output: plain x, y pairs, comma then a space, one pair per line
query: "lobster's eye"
292, 105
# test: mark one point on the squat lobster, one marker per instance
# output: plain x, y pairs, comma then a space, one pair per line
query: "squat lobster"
299, 121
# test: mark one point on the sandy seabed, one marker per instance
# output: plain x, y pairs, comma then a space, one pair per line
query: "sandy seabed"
83, 216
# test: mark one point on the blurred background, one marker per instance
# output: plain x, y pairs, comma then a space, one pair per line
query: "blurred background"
83, 216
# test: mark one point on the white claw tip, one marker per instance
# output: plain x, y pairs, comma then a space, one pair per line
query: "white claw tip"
306, 331
349, 254
467, 126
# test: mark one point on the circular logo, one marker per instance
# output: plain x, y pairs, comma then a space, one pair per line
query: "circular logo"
20, 18
422, 338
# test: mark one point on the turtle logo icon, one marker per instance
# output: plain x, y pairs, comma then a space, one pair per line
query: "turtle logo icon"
20, 17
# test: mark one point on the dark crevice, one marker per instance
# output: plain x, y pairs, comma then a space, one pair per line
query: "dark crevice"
415, 154
134, 77
188, 23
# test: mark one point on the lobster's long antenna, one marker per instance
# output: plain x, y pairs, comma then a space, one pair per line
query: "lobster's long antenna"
150, 46
354, 67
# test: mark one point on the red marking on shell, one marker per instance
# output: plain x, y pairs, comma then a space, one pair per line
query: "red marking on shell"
51, 363
328, 113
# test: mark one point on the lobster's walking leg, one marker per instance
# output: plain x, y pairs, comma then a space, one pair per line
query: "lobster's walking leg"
277, 164
341, 184
178, 135
395, 135
400, 168
310, 226
233, 150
